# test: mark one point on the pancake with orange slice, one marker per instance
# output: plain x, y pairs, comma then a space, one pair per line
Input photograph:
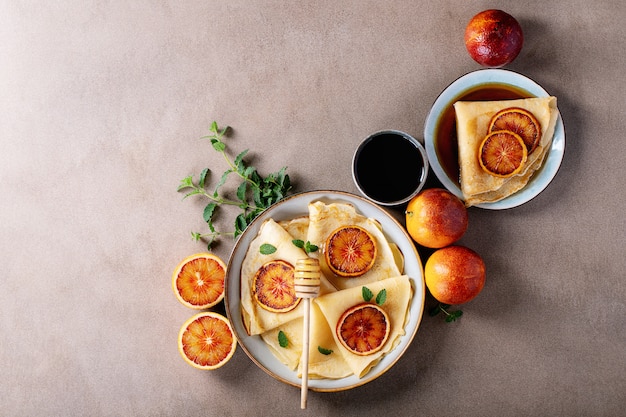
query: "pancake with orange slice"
326, 220
473, 121
257, 318
334, 307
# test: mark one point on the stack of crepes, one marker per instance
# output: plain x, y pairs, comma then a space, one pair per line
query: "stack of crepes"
472, 119
336, 294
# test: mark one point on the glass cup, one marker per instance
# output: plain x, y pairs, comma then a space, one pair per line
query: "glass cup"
390, 167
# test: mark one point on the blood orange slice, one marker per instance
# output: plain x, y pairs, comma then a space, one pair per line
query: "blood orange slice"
207, 341
502, 153
519, 121
350, 251
198, 281
363, 329
273, 287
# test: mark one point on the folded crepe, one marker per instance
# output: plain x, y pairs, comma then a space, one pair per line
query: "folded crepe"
399, 293
472, 119
326, 218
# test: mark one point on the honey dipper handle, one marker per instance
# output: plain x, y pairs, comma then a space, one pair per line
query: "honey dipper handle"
307, 285
305, 353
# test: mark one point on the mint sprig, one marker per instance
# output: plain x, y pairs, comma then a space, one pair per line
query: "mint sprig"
307, 246
450, 316
253, 195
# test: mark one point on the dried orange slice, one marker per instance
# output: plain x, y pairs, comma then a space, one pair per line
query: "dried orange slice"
363, 329
198, 280
502, 153
350, 251
273, 287
519, 121
207, 341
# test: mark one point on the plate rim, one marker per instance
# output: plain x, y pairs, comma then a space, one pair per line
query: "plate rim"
552, 162
232, 301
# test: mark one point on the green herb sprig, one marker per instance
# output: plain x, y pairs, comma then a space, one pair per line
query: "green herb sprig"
443, 308
254, 193
307, 246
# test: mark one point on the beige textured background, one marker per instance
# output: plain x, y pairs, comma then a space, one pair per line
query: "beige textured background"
102, 105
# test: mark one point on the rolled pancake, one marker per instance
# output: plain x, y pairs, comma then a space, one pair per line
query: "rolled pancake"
472, 120
399, 293
326, 218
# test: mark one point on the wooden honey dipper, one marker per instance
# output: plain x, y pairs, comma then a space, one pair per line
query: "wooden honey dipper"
307, 285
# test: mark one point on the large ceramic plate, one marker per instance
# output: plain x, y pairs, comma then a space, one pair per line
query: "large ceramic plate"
485, 79
296, 206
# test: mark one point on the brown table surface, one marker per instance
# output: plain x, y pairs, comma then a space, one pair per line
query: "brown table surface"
102, 108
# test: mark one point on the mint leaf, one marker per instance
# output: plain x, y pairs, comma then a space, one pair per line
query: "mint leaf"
298, 243
186, 182
381, 297
282, 339
208, 212
267, 249
367, 294
202, 179
324, 351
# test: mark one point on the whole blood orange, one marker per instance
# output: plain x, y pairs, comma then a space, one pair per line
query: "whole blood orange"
493, 38
454, 275
436, 218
